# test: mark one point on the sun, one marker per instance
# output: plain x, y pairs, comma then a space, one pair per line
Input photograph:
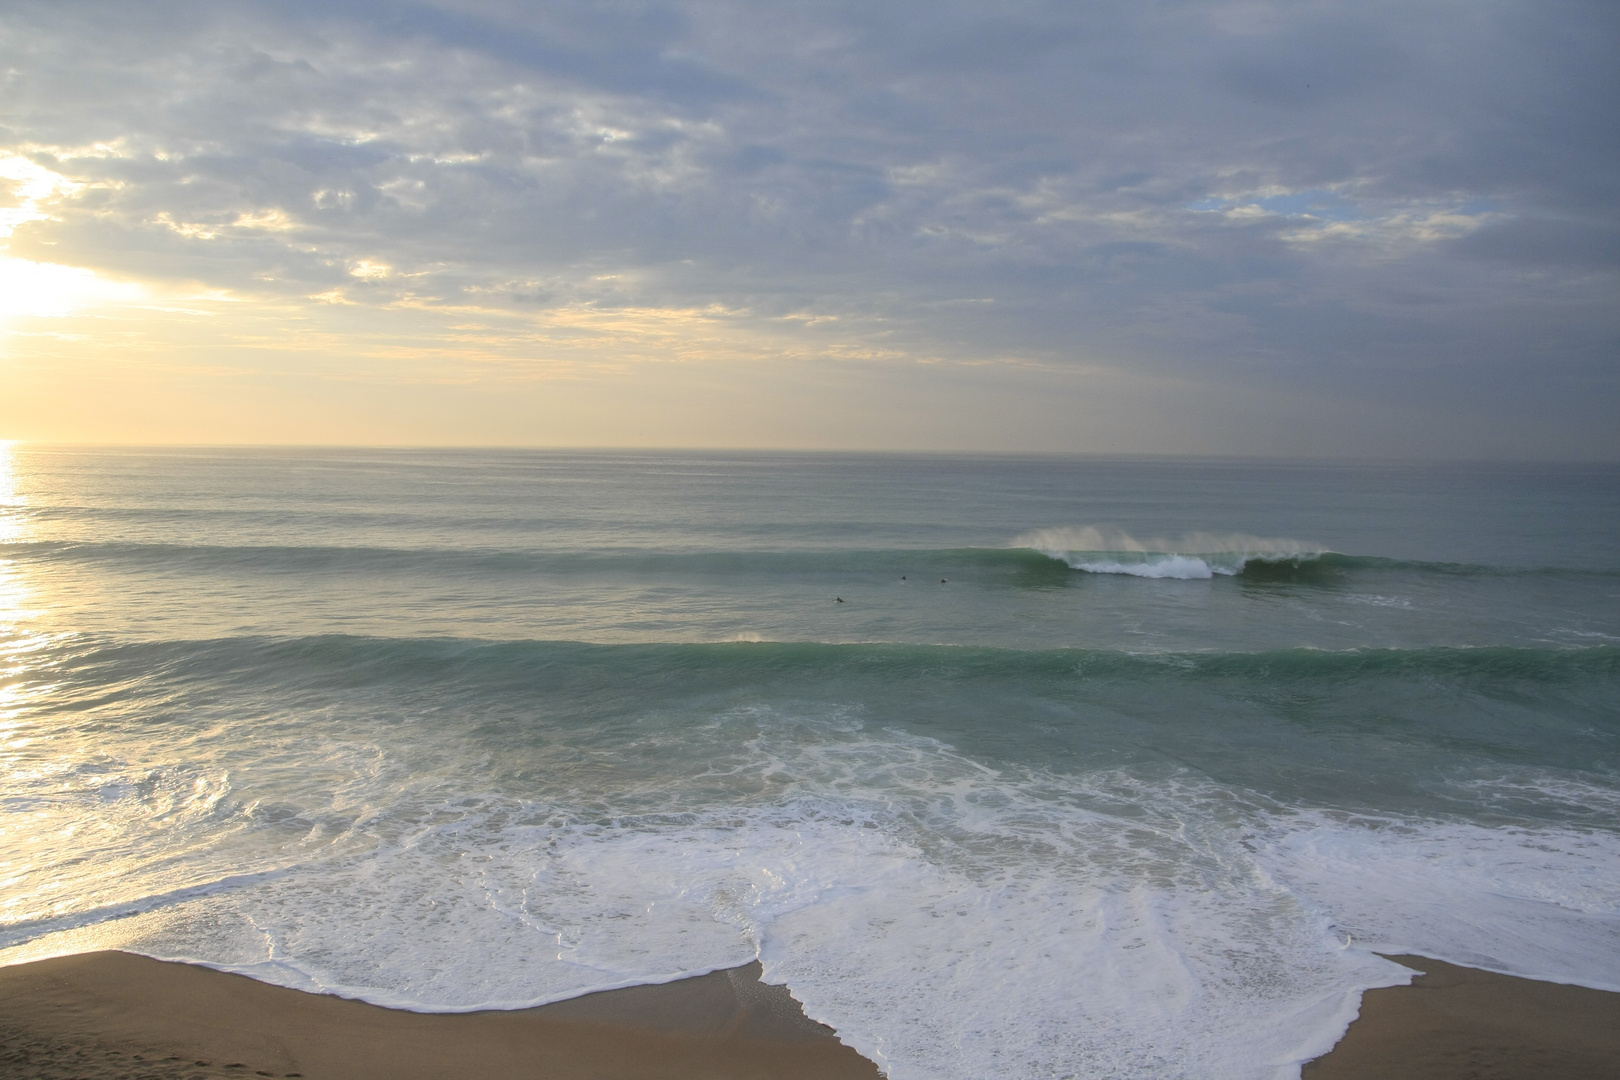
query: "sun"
44, 290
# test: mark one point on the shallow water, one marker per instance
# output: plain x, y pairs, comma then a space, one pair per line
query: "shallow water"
1100, 767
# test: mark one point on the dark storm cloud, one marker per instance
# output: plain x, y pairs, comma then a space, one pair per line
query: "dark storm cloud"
1270, 192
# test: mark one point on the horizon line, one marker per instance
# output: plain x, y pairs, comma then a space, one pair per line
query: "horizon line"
1313, 459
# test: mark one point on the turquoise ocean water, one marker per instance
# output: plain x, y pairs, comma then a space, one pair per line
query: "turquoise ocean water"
1100, 768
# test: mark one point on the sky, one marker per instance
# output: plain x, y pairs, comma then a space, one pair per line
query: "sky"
1296, 229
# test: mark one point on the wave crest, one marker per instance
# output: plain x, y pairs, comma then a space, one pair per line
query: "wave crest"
1197, 555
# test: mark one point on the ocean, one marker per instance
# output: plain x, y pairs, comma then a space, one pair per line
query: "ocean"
1007, 766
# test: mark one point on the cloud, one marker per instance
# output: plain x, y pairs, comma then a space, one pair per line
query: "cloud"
1243, 194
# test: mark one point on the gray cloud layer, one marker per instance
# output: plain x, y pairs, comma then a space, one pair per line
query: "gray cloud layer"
1371, 203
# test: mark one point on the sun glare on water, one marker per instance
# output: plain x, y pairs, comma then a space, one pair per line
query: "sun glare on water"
12, 499
13, 590
13, 595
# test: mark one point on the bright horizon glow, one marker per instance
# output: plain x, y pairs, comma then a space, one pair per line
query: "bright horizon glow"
46, 290
49, 291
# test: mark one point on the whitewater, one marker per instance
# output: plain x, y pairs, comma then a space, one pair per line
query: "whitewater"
1091, 773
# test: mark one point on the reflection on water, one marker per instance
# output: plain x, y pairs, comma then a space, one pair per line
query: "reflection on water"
11, 497
13, 598
18, 648
14, 591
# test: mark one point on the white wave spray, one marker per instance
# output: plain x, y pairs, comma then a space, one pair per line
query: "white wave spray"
1197, 555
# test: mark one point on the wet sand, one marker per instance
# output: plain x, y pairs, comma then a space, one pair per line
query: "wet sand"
111, 1015
1458, 1023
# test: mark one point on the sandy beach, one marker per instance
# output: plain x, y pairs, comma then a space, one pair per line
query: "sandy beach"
1458, 1023
117, 1015
114, 1014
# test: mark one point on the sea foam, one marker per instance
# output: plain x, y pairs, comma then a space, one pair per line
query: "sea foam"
952, 919
329, 719
1199, 555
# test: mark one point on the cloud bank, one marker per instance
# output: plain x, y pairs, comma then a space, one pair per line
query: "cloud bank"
1211, 227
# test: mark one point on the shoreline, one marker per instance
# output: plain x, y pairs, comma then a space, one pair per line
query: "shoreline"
106, 1015
115, 1014
1460, 1023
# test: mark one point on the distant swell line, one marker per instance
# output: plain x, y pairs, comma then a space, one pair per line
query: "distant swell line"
1040, 562
487, 664
1104, 550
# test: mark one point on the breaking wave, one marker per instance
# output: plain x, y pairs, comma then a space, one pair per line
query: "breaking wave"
1195, 556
